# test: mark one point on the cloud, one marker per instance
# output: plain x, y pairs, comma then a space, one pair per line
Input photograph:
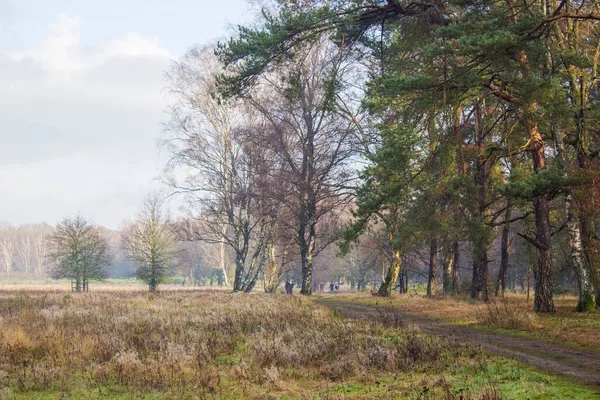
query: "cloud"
79, 124
62, 51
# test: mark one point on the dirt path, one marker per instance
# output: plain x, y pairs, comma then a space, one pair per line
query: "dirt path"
551, 358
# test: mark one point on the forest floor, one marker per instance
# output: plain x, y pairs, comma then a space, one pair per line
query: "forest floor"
564, 343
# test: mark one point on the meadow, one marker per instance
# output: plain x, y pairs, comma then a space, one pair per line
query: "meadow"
124, 343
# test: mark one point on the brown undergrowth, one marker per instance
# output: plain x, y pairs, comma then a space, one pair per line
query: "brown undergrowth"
209, 344
505, 314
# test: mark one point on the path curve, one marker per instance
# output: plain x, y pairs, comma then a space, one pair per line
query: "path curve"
552, 358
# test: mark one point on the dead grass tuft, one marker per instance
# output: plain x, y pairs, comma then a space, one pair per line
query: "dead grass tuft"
390, 317
507, 315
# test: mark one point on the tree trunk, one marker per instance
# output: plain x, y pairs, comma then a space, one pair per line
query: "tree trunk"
479, 285
586, 289
455, 265
271, 276
307, 253
222, 260
515, 272
448, 260
249, 286
239, 274
152, 284
590, 248
503, 272
389, 282
544, 276
307, 233
480, 231
432, 267
400, 283
462, 171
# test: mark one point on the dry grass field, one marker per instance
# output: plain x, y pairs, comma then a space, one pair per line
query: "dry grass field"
209, 344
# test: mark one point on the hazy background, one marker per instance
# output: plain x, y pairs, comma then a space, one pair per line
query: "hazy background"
83, 98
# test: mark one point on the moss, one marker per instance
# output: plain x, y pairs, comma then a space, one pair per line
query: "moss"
586, 303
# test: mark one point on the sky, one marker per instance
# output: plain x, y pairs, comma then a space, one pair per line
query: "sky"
82, 98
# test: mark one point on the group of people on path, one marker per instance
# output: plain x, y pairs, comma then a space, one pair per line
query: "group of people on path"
333, 287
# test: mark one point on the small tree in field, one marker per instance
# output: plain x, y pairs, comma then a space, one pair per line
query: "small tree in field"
79, 250
149, 243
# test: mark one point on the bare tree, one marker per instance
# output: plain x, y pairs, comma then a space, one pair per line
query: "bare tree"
224, 173
80, 252
149, 243
8, 252
25, 251
313, 140
40, 254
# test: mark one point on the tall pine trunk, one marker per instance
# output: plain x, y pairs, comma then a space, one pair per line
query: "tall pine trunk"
480, 230
462, 171
544, 274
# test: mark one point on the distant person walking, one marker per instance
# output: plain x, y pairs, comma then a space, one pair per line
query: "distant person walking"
289, 286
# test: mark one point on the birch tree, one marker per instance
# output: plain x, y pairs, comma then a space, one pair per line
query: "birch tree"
222, 175
40, 255
314, 144
25, 251
8, 253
